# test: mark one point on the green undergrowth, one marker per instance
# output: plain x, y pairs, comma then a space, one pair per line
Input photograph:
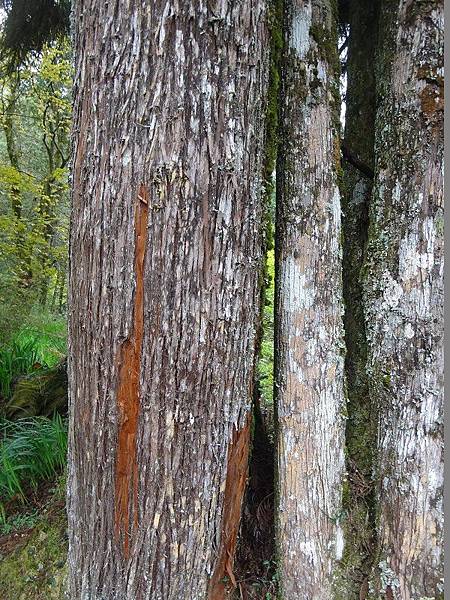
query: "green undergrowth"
37, 345
31, 450
265, 363
20, 357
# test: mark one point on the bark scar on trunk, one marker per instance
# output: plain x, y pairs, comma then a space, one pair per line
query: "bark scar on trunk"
128, 392
234, 492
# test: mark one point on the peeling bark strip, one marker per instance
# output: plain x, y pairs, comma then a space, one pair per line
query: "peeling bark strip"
236, 480
309, 334
404, 299
170, 94
128, 391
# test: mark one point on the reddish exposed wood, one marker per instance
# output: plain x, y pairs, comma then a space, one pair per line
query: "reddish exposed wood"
234, 492
128, 393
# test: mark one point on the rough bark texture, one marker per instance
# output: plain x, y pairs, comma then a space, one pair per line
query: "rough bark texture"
165, 259
361, 429
404, 299
309, 332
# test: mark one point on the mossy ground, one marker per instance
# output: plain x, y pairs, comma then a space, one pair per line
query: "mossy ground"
35, 569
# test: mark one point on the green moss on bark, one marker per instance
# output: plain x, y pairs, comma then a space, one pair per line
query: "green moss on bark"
359, 498
275, 17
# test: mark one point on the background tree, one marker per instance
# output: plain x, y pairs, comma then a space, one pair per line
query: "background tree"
308, 311
404, 298
165, 261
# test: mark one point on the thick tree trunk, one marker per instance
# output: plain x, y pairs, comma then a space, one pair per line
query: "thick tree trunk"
165, 261
309, 332
404, 299
361, 429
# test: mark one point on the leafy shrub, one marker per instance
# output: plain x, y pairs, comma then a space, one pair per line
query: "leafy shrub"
31, 450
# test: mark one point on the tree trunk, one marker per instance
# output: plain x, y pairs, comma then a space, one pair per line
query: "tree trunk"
404, 299
12, 147
309, 332
165, 260
361, 428
22, 249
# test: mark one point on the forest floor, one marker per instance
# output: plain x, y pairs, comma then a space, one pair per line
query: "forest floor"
33, 546
33, 549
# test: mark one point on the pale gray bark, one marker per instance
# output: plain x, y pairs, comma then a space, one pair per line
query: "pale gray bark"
165, 261
309, 333
404, 300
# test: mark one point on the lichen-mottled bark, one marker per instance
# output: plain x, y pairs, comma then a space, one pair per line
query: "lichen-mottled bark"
361, 429
404, 299
169, 101
309, 332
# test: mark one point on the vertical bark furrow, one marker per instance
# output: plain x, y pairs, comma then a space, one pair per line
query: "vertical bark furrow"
404, 299
128, 391
361, 428
309, 333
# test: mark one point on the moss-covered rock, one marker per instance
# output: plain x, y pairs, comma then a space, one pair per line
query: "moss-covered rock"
42, 393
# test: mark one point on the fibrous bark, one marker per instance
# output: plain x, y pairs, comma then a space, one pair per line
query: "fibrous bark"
404, 299
165, 258
309, 332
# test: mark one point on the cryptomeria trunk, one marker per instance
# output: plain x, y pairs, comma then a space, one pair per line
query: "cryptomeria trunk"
309, 333
404, 298
165, 260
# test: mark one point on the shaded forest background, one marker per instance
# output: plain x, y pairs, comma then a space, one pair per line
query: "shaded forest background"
35, 120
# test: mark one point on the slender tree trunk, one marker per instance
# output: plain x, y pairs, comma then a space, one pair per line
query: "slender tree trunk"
62, 285
165, 259
56, 287
359, 502
404, 299
309, 332
46, 228
23, 253
12, 148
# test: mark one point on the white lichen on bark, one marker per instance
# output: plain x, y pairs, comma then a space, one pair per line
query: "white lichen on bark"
309, 332
404, 300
